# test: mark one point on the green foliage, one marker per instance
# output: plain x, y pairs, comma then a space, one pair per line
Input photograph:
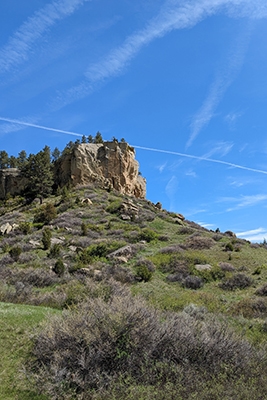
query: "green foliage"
114, 206
98, 251
55, 250
148, 235
46, 213
84, 229
143, 273
59, 267
15, 252
46, 238
25, 227
98, 138
38, 172
4, 160
229, 246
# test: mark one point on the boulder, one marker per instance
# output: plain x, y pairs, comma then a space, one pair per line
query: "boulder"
203, 267
5, 228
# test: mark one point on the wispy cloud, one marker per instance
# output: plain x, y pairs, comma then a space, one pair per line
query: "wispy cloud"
221, 83
231, 119
21, 42
254, 235
243, 201
220, 149
171, 17
171, 190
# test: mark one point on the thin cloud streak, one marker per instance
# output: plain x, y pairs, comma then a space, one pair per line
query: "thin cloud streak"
219, 87
203, 159
15, 121
172, 16
20, 44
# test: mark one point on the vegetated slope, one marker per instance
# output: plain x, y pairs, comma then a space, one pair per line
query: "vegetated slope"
84, 244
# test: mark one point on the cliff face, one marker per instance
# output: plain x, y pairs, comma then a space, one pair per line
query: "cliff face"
10, 182
110, 164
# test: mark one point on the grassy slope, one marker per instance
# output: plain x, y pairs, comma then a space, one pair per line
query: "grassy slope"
17, 322
244, 309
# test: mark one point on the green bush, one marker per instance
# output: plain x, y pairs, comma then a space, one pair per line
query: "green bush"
46, 238
54, 250
59, 267
148, 235
25, 227
84, 229
15, 252
143, 273
114, 206
46, 213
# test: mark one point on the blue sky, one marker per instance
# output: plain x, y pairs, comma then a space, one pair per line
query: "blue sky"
183, 81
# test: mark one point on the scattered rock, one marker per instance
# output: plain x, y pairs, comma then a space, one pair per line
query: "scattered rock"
34, 243
123, 254
86, 201
57, 241
158, 205
203, 267
6, 228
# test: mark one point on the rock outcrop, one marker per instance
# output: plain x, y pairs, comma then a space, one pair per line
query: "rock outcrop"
111, 164
11, 182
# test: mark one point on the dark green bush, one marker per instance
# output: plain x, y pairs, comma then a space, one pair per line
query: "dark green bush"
15, 252
46, 214
59, 267
114, 206
148, 235
46, 238
84, 229
229, 247
25, 227
143, 273
55, 250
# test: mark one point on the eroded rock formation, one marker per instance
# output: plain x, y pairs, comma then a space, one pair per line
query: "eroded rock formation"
110, 164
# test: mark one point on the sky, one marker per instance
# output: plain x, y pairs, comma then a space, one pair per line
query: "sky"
183, 81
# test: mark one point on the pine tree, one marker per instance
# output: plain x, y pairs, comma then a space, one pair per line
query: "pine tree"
39, 174
90, 139
83, 139
98, 138
4, 160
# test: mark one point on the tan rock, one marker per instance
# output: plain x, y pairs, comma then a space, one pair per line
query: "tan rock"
110, 164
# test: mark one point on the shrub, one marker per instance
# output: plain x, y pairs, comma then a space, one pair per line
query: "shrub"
229, 247
143, 273
147, 234
25, 227
84, 229
59, 267
199, 242
15, 252
237, 281
46, 213
114, 206
54, 250
86, 352
46, 238
192, 282
227, 267
262, 291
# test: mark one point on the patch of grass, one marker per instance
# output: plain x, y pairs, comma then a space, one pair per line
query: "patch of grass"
16, 323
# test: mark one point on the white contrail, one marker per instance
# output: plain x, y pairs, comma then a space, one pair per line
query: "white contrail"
202, 159
15, 121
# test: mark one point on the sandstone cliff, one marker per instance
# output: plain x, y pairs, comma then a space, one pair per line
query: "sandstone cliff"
111, 164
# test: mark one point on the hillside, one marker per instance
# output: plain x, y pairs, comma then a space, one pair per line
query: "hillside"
87, 245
